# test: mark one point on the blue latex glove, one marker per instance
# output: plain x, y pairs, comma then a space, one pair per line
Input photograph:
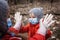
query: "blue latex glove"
9, 22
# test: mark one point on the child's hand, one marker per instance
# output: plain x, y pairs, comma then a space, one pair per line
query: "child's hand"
18, 19
45, 23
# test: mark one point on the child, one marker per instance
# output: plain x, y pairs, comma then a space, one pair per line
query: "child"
35, 15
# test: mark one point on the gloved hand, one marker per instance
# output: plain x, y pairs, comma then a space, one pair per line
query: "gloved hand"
18, 19
45, 23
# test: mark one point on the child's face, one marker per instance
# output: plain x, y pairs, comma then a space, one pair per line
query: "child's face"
33, 19
31, 15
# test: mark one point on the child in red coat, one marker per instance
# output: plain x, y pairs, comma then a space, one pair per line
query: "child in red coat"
34, 23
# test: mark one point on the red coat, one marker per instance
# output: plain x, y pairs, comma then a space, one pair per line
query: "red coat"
38, 37
35, 37
31, 29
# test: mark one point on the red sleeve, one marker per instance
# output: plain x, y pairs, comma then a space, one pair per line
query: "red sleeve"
48, 34
22, 29
13, 30
37, 37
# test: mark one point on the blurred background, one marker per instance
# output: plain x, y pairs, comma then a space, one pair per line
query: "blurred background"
49, 6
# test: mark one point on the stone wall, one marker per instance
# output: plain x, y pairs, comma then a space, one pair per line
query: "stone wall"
49, 6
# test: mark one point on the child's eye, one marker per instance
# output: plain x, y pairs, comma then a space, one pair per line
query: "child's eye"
32, 17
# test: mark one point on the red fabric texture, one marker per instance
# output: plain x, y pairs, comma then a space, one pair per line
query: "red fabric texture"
13, 30
6, 37
37, 37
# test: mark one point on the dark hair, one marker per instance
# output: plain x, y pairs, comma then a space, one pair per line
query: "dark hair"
3, 16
